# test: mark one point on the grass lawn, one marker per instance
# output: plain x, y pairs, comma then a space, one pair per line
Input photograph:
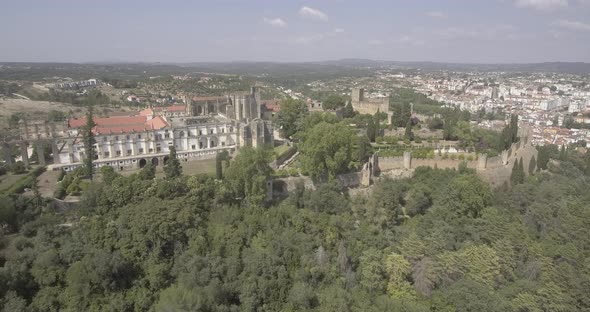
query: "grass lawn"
191, 167
194, 167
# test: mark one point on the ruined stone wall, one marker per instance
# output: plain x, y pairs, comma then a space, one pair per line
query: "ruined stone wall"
389, 163
352, 179
494, 170
371, 107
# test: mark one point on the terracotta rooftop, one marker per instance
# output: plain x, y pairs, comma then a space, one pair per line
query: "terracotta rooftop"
121, 124
272, 105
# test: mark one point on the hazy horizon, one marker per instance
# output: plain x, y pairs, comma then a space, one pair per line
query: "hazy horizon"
175, 32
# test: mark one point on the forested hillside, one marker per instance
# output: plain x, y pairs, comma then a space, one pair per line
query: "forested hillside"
441, 241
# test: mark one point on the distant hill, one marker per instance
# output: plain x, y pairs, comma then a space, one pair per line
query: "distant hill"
305, 70
556, 67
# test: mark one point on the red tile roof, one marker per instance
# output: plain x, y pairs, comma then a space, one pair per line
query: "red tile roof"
272, 105
121, 124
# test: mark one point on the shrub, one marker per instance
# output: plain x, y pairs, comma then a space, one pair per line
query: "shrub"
379, 140
60, 192
62, 174
18, 167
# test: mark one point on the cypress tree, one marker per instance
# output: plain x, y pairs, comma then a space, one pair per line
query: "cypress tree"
89, 141
532, 165
587, 161
562, 153
172, 167
514, 174
371, 130
409, 134
521, 175
218, 167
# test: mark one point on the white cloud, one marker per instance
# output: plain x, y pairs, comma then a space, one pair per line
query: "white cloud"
275, 22
437, 14
572, 25
313, 13
543, 5
339, 30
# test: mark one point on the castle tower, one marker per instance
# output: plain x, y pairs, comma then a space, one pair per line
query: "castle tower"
358, 95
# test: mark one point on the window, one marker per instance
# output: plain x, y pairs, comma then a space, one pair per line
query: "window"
128, 152
139, 136
141, 150
107, 154
200, 132
158, 149
181, 134
127, 137
104, 139
167, 135
222, 130
117, 138
193, 146
210, 131
118, 153
151, 150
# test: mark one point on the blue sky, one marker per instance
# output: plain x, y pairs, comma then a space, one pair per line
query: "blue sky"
484, 31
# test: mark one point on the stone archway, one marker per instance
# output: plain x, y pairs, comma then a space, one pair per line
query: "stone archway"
155, 161
142, 163
213, 142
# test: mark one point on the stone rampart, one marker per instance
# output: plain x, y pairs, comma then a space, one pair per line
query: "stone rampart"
494, 170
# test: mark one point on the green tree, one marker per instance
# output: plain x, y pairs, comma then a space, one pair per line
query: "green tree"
371, 270
532, 165
348, 111
172, 168
290, 116
514, 173
248, 173
148, 172
371, 130
398, 269
218, 167
108, 174
521, 174
89, 141
364, 149
467, 195
409, 134
326, 150
333, 102
18, 167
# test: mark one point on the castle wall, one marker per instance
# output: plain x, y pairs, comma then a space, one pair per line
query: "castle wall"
494, 170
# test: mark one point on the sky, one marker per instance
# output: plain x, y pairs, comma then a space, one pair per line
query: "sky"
463, 31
